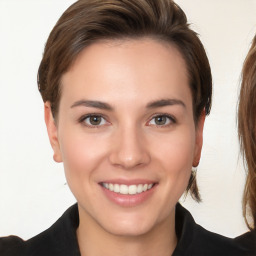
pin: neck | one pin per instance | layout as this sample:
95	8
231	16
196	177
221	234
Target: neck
93	240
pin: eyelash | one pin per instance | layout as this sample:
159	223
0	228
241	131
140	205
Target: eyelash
172	120
83	118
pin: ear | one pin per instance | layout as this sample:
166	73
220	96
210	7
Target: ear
52	132
199	139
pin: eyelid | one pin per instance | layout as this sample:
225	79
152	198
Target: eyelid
84	117
170	117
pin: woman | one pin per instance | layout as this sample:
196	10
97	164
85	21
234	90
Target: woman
126	86
247	136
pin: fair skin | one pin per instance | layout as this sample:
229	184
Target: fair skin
126	120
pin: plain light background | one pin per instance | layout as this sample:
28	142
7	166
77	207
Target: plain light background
33	190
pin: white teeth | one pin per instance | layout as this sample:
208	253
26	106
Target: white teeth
110	186
132	189
145	187
125	189
116	188
139	188
105	185
150	186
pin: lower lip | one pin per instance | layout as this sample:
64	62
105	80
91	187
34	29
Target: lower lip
129	200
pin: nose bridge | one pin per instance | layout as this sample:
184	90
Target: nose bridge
129	148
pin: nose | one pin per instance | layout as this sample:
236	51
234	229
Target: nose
129	149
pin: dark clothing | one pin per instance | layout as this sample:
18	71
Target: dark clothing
193	240
248	240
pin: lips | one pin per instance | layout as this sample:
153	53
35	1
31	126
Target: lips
124	189
128	193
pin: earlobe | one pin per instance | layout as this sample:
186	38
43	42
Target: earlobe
52	132
199	139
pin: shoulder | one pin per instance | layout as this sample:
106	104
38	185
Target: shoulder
11	246
216	244
58	240
249	236
195	240
248	240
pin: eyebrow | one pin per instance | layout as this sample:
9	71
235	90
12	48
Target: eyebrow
106	106
165	102
92	104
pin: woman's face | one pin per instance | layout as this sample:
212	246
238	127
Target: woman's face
126	134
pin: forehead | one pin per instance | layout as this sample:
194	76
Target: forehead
128	68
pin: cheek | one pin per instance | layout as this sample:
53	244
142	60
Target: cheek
177	149
176	157
81	154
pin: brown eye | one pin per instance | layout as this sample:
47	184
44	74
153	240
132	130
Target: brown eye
94	120
162	120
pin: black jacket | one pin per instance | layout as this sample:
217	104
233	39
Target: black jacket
60	239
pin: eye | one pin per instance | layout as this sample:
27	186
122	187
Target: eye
162	120
93	120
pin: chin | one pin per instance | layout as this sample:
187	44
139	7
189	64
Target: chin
129	230
130	226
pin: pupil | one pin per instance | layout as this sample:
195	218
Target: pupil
160	120
95	120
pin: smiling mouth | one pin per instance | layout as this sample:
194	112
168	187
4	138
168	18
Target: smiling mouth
127	189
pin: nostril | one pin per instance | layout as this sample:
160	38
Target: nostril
128	160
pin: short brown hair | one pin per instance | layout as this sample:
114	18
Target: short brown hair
88	21
247	132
